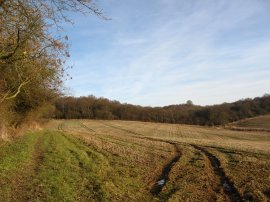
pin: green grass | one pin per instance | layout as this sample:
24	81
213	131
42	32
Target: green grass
69	172
13	156
60	169
54	166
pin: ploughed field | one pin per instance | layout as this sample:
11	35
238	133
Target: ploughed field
92	160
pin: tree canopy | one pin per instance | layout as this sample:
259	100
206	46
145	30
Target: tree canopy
32	59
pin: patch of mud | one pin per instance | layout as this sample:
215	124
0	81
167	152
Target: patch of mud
227	184
162	180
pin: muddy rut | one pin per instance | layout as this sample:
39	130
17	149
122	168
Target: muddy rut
164	176
226	184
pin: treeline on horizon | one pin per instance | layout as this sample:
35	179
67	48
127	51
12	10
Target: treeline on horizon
91	107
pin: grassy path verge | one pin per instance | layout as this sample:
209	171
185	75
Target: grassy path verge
13	157
55	166
50	166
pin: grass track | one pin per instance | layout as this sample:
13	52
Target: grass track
50	166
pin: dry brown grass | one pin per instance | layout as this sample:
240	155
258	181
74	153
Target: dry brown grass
259	122
255	141
145	147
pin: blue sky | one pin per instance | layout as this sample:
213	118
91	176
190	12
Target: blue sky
161	52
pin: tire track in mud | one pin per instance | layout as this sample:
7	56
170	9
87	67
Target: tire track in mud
164	176
226	183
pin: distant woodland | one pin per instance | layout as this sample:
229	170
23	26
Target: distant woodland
101	108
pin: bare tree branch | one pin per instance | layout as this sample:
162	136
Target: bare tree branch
94	9
4	57
15	94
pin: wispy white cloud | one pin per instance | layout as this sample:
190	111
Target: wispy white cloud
207	51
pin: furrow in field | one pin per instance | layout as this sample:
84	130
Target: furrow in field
123	129
120	140
107	138
125	141
87	127
227	185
